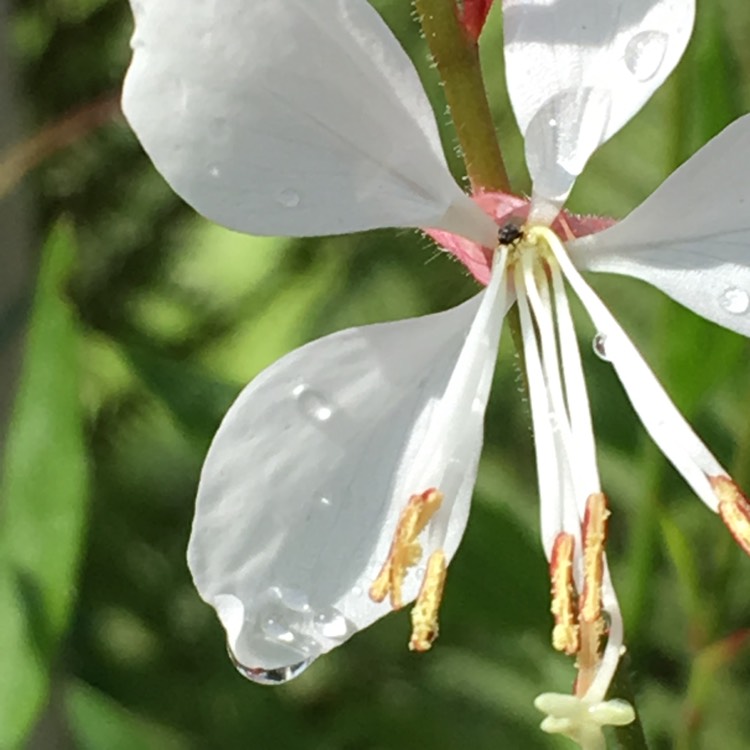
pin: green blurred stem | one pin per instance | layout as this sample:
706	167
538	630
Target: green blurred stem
457	58
632	736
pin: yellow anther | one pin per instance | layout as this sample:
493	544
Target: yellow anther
405	550
565	634
424	615
734	509
590	620
594	533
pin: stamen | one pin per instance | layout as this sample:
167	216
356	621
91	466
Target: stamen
565	634
734	509
424	615
405	550
590	618
594	537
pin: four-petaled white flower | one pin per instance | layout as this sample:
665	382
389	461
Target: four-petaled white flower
353	459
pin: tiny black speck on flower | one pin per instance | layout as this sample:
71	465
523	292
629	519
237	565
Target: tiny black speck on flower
509	233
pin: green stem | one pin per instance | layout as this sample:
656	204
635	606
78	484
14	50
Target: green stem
457	58
632	736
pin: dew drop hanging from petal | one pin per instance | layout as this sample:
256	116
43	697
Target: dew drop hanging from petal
275	676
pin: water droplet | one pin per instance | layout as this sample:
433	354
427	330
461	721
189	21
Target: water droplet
313	404
599	345
357	590
277	630
214	171
332	624
288	198
735	300
645	53
326	502
293	599
562	134
273	676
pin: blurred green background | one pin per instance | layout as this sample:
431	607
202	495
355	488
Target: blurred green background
127	326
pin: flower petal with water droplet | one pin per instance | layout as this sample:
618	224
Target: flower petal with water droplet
364	418
691	237
254	113
577	71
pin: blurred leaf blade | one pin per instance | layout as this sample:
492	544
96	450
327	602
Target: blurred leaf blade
44	497
96	721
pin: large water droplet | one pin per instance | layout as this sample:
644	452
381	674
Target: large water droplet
562	135
735	300
599	345
288	198
645	53
273	676
313	404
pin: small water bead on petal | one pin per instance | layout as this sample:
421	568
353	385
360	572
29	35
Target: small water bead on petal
735	300
312	403
645	53
293	599
288	198
332	624
214	171
277	630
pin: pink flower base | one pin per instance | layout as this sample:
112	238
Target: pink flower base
503	207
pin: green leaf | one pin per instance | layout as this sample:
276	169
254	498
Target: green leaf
97	722
44	498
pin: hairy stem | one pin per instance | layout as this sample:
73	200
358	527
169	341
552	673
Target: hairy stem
456	55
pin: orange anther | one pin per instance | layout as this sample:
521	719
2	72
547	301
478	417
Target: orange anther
734	509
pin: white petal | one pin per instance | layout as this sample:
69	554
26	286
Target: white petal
659	416
691	237
290	117
578	70
312	465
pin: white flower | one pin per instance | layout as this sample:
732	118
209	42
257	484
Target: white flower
353	459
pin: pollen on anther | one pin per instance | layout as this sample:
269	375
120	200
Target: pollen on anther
565	634
405	550
594	534
734	509
424	615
